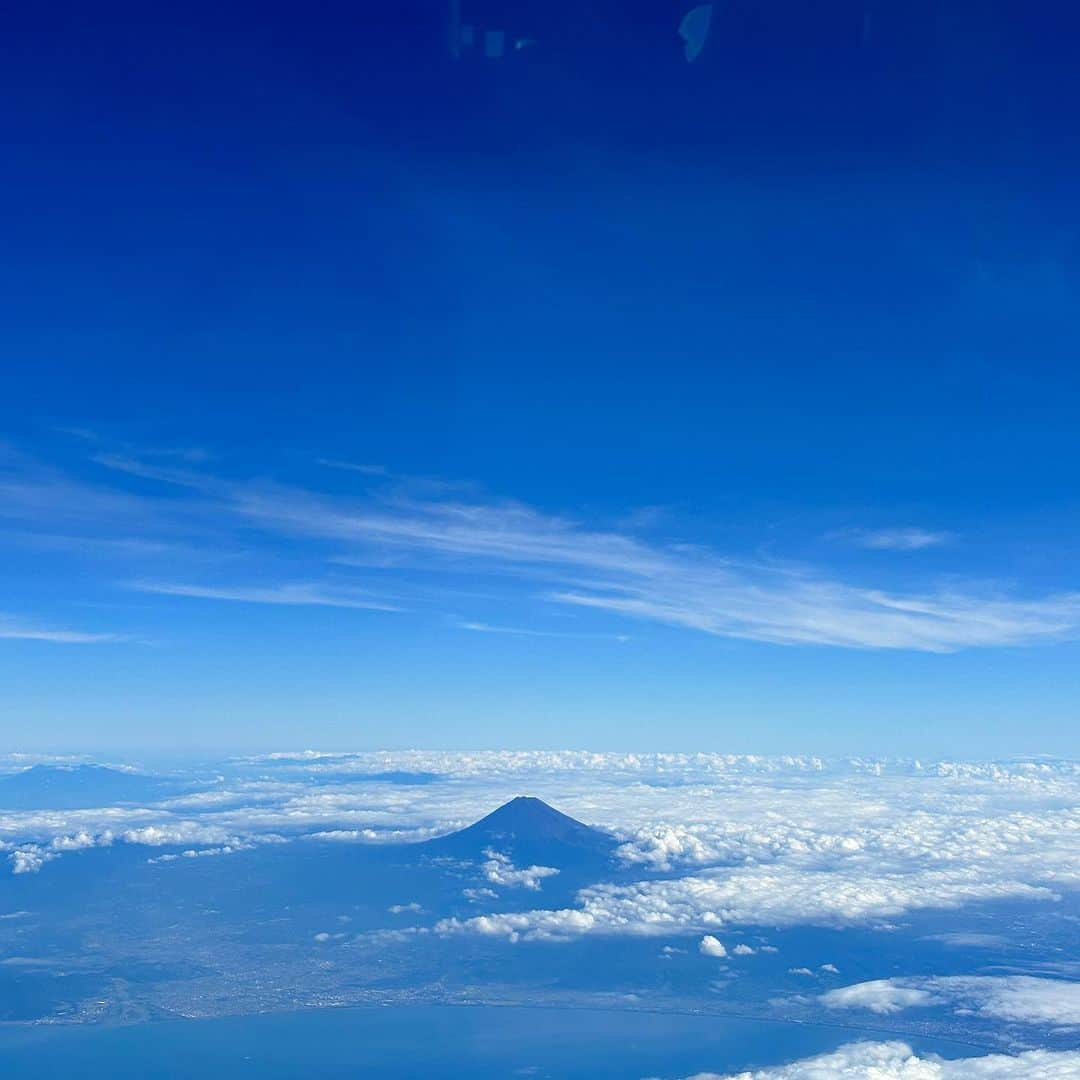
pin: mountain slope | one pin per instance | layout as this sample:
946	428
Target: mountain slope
529	832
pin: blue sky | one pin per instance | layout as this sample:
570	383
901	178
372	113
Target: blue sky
348	400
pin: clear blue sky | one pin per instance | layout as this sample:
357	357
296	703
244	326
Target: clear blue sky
354	398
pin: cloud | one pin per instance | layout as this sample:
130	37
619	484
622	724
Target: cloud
561	925
350	466
179	832
817	612
760	841
766	842
203	853
673	584
14	629
710	946
881	996
687	588
824	853
168	474
897	1061
82	433
299	594
905	539
499	870
748	841
487	628
29	860
781	894
1016	998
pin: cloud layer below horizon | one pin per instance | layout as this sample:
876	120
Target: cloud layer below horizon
724	861
717	840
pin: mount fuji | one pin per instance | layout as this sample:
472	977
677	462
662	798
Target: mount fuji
529	831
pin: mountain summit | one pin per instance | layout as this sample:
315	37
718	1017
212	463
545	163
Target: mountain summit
530	832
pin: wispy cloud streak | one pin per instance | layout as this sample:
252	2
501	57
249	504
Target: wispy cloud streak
606	571
13	629
518	631
904	539
291	595
351	466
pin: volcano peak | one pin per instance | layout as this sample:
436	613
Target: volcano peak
529	830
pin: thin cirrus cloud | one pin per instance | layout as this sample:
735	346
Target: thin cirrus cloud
675	585
352	466
518	631
903	539
691	589
289	595
17	630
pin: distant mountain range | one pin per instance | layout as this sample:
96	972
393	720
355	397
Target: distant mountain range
77	787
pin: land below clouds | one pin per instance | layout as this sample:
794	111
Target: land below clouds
318	881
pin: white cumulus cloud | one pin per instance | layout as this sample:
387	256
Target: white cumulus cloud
1016	998
711	946
499	870
897	1061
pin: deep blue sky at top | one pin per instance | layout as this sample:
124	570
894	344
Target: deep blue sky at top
815	289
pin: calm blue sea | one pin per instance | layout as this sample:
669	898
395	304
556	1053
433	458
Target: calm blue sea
421	1041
